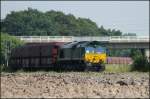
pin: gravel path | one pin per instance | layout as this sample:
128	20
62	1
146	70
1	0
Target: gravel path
74	85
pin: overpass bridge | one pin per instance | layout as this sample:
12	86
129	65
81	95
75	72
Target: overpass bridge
112	42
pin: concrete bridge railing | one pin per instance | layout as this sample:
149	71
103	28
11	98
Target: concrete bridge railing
84	38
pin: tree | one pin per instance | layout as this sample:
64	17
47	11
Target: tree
7	44
103	32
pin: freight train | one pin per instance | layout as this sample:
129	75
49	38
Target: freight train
77	55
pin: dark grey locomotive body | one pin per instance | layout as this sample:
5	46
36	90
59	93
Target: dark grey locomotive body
72	55
73	51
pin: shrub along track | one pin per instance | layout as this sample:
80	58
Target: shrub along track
75	84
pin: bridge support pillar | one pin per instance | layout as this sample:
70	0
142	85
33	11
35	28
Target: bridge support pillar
147	54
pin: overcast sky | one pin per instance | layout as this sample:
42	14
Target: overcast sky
127	16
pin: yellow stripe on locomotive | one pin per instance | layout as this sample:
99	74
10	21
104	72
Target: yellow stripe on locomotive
95	57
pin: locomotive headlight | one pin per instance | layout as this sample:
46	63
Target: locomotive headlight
98	52
87	51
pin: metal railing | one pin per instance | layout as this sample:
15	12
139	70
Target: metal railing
129	39
84	38
45	38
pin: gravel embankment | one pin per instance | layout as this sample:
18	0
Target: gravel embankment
75	85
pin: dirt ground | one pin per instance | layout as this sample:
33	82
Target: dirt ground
74	85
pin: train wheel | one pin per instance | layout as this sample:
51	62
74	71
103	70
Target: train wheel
87	67
13	68
95	68
102	67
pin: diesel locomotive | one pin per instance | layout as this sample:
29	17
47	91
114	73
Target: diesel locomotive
77	55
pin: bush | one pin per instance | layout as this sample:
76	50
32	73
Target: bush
140	64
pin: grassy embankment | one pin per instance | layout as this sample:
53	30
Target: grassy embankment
118	68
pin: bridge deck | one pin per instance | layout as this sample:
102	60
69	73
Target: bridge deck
84	38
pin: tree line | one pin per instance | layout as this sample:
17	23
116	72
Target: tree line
52	23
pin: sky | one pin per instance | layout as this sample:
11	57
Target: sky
126	16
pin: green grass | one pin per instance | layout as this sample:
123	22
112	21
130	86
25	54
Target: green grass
117	68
